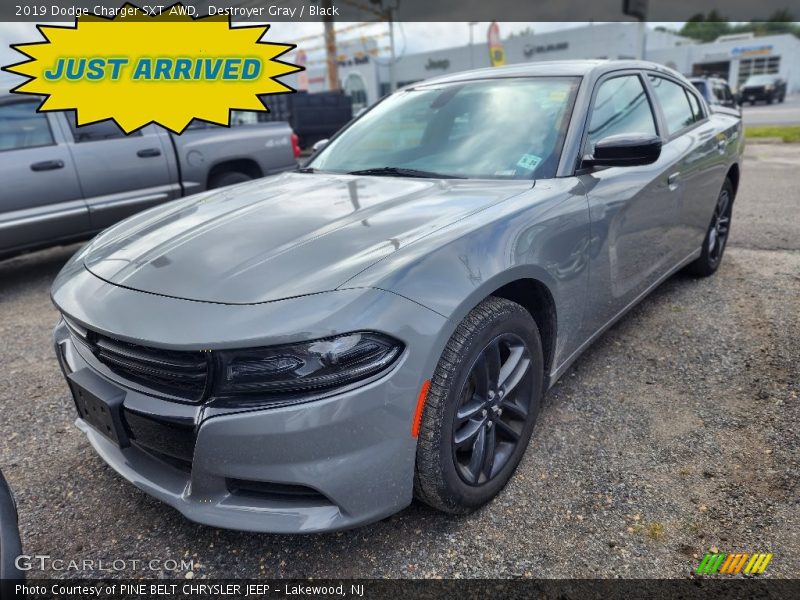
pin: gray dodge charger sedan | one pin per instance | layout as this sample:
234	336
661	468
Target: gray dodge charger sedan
311	351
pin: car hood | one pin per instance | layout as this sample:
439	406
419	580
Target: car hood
282	236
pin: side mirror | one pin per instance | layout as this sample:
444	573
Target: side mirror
319	145
625	150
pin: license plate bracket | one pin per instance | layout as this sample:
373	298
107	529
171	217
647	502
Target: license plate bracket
99	403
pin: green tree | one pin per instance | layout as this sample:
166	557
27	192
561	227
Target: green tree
707	28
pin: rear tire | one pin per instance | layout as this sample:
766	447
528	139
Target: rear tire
481	408
229	178
716	236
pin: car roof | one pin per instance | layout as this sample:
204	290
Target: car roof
574	68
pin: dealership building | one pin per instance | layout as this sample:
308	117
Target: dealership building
365	76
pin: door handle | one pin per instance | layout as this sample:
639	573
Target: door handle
47	165
672	180
148	153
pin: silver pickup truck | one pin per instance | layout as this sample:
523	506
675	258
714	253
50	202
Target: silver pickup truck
61	183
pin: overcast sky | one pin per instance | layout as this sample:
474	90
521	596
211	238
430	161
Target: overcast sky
409	37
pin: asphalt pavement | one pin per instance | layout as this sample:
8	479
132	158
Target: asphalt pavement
675	434
784	113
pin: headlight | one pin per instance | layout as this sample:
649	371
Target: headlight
284	372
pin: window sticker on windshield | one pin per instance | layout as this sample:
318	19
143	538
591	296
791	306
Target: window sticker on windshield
505	173
529	161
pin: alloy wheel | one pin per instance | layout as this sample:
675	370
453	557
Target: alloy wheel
493	408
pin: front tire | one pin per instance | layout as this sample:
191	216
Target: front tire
716	236
481	408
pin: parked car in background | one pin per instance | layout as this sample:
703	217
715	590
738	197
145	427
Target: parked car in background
716	92
763	88
310	351
63	183
10	546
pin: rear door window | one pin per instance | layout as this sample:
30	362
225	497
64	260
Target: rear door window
22	127
674	102
697	108
94	132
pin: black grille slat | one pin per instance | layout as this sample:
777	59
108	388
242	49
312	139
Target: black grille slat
145	369
183	374
169	362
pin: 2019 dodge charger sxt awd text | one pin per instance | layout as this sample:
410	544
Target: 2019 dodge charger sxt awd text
310	351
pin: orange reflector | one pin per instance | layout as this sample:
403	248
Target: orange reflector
423	393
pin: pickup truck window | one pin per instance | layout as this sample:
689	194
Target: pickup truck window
674	102
22	127
703	89
238	118
621	106
724	94
103	130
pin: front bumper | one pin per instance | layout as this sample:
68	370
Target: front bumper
756	94
352	450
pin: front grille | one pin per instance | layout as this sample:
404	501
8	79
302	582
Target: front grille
168	440
183	374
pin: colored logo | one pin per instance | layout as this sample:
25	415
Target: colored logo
734	563
137	69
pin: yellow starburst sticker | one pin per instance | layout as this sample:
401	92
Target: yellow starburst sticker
167	69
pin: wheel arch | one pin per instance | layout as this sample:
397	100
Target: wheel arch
528	286
240	165
733	174
535	297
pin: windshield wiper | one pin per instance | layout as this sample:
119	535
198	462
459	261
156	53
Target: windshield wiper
403	172
304	170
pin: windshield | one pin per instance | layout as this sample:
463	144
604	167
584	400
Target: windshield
496	128
760	80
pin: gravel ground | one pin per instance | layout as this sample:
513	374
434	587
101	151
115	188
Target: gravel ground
674	434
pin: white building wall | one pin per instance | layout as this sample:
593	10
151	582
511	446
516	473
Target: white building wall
784	47
607	40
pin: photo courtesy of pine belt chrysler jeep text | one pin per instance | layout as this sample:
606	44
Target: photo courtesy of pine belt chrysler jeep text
310	351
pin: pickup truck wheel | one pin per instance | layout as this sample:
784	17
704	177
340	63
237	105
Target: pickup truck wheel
229	178
481	408
716	236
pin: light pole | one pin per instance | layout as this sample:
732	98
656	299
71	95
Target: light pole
471	49
392	58
330	48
